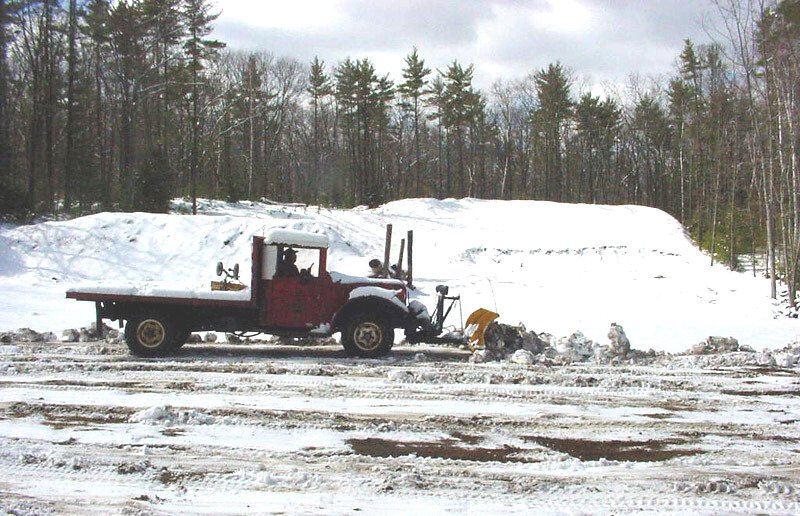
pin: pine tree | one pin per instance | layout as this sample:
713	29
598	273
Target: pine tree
12	197
698	163
198	50
166	28
462	104
413	89
597	125
680	95
651	136
437	101
555	109
319	88
126	31
95	29
364	99
71	125
5	126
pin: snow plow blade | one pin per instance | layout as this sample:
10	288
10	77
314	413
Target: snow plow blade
476	325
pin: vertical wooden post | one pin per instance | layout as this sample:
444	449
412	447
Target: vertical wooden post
410	257
398	272
386	250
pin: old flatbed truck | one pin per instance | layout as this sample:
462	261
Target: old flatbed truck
365	310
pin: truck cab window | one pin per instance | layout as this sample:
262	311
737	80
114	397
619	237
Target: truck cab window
308	259
297	262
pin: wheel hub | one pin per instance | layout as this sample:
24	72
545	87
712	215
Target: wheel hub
368	336
150	333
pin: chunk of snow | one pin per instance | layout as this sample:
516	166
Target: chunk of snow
345	279
400	376
167	415
322	329
164	290
620	345
296	238
383	293
523	356
575	348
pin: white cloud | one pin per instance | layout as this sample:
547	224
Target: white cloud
563	16
294	15
605	39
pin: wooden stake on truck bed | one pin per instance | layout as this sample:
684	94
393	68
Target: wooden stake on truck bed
399	271
386	250
410	257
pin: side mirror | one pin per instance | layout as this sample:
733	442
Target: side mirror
219	269
235	271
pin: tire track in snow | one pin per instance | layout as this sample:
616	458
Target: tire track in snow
365	399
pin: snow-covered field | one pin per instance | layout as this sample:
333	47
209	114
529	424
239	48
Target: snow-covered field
556	268
266	428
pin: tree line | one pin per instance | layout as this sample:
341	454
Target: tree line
125	105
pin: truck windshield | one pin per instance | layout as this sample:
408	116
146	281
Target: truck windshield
308	258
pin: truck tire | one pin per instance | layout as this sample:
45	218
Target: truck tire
367	336
151	335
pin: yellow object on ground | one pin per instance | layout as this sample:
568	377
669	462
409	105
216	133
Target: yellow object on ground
476	326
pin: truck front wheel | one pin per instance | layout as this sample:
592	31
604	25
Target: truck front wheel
151	335
367	336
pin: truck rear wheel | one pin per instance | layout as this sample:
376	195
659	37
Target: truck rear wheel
367	336
152	335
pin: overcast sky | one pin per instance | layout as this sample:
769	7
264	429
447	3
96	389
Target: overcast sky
603	41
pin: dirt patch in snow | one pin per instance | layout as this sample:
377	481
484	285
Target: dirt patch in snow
765	392
443	449
627	451
63	416
167	476
90	383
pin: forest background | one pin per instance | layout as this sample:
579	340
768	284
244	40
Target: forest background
126	105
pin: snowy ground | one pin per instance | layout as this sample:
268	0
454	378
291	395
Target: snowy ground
556	268
87	429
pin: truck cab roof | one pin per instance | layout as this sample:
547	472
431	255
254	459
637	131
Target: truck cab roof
294	238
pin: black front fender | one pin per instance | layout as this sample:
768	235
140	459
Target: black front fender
392	313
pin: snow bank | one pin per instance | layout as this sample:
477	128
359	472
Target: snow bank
559	268
166	415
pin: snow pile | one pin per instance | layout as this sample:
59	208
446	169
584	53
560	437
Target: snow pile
789	356
552	265
516	344
714	345
90	334
293	479
620	345
400	376
168	416
27	335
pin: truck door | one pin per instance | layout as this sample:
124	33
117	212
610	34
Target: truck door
295	302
